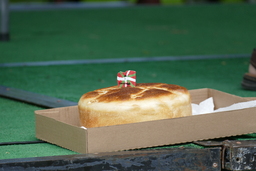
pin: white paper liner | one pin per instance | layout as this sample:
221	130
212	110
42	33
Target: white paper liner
207	106
83	127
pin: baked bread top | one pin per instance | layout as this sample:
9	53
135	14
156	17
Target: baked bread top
142	91
146	101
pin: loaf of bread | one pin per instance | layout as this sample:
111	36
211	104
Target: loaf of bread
145	102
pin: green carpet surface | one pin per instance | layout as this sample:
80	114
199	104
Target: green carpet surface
71	81
32	150
130	32
118	33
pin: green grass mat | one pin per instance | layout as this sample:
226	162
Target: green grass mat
17	121
130	32
71	81
32	150
118	33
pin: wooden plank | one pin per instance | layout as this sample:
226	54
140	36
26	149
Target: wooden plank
34	98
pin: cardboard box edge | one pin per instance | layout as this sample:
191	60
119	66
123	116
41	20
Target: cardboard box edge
42	121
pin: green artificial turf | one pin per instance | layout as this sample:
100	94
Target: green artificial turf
71	81
17	121
130	32
118	33
32	150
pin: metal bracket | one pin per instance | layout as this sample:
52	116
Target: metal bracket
239	155
236	154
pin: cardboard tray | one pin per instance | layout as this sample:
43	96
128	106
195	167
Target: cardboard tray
61	126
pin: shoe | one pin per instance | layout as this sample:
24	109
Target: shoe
253	58
249	79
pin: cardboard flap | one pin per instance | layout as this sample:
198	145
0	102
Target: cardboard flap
250	98
59	133
62	114
199	95
220	99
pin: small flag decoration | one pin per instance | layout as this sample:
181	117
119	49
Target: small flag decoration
126	79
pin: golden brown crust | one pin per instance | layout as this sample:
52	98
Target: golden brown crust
140	92
145	102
